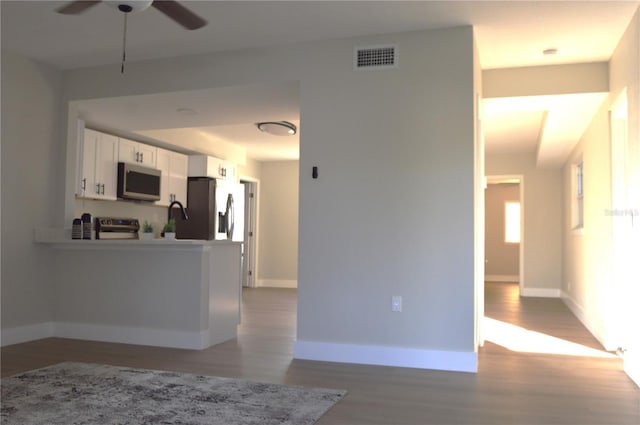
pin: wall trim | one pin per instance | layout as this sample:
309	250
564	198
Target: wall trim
459	361
196	340
19	334
277	283
540	292
582	316
632	369
502	278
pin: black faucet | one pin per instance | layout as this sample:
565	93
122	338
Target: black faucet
182	210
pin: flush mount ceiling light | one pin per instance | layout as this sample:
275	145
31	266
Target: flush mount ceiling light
277	128
550	52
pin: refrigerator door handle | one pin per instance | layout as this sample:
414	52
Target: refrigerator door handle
229	213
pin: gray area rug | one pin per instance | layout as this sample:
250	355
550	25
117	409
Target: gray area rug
82	393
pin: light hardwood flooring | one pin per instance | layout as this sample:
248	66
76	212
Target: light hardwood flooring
509	388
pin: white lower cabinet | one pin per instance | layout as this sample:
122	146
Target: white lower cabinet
99	175
173	184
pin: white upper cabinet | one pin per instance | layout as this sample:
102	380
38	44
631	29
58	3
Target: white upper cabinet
173	184
208	166
99	175
136	153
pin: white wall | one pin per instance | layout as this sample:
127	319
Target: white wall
379	221
606	306
543	212
32	161
252	169
278	224
546	80
587	255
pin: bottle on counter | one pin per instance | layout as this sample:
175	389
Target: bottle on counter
87	226
76	229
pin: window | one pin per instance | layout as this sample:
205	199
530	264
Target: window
512	222
578	196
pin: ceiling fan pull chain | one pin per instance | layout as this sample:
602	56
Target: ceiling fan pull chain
124	43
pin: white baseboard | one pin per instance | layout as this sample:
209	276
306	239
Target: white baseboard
502	278
632	369
26	333
387	356
582	316
575	308
195	340
540	292
276	283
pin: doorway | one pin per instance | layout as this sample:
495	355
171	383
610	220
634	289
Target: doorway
504	229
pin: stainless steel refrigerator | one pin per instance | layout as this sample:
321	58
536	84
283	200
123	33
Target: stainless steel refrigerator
215	208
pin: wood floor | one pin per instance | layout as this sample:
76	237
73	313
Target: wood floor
509	388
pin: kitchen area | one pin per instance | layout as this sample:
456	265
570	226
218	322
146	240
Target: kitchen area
154	254
155	248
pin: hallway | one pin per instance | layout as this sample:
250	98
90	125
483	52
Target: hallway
562	374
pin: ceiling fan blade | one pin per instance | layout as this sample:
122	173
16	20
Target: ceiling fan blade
76	7
180	14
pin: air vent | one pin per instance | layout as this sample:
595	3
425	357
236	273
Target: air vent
376	57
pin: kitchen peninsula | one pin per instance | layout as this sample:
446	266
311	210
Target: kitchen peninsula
169	293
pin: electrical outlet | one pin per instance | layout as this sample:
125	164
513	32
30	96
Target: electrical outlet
396	303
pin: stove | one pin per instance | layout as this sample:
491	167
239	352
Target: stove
117	228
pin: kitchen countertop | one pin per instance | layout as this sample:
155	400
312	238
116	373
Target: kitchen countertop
58	238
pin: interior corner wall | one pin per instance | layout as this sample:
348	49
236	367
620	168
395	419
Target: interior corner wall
543	214
252	169
502	258
278	224
32	152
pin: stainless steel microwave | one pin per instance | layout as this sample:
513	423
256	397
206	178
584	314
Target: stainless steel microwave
136	182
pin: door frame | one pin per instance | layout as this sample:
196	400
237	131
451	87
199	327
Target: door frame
520	177
251	211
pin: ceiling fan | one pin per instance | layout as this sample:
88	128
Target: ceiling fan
171	8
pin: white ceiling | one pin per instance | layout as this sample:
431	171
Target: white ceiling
509	34
547	125
198	121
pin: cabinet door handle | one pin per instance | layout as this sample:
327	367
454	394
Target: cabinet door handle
103	189
83	185
98	188
137	156
142	157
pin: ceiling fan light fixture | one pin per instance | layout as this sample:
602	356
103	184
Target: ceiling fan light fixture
278	128
129	6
